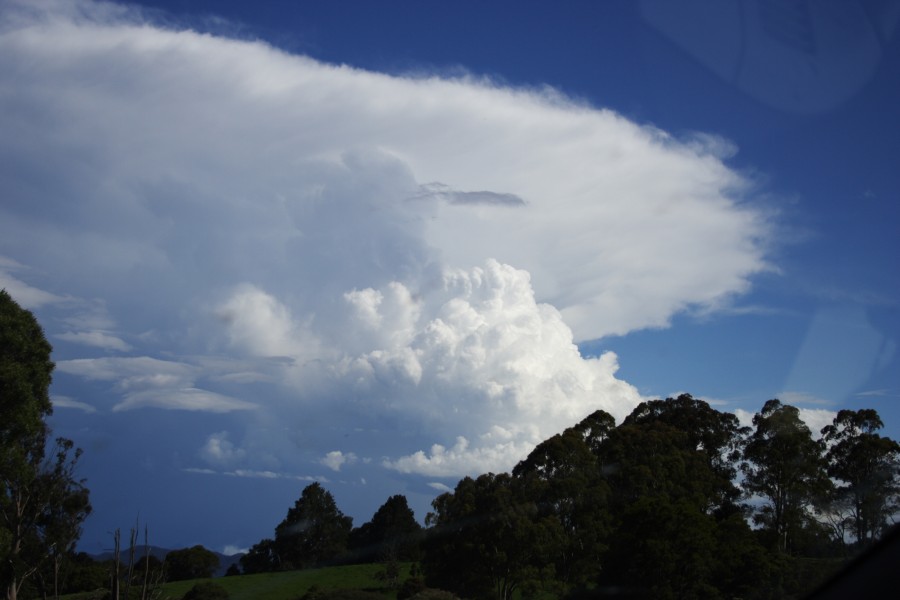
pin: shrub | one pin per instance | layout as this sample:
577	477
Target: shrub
410	588
206	590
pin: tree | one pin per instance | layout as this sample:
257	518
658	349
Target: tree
261	558
564	478
42	505
663	532
392	534
314	532
785	466
672	504
59	527
488	540
868	465
717	435
191	563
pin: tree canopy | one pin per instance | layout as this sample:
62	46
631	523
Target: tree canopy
314	531
195	562
867	467
392	534
42	505
652	507
785	466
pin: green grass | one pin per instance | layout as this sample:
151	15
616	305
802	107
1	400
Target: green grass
286	585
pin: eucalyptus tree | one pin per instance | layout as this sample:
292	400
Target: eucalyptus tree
42	504
717	435
867	466
314	531
487	539
393	534
785	468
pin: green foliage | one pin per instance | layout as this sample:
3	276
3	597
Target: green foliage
669	466
393	534
191	563
869	466
648	508
84	574
786	467
206	590
261	558
717	435
563	475
42	505
411	587
663	549
25	376
314	532
489	540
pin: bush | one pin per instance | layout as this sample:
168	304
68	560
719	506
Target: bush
410	588
206	590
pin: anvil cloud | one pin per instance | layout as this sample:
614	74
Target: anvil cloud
213	224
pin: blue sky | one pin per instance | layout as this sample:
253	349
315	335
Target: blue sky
383	246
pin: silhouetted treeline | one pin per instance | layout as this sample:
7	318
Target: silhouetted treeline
677	501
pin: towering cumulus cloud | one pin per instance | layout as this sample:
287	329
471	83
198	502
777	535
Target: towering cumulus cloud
250	229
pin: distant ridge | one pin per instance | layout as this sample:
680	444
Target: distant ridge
225	561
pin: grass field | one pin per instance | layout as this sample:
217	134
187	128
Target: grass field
287	585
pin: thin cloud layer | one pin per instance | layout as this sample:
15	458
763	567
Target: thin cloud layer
273	226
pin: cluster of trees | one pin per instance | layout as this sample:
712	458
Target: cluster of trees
677	501
315	532
662	505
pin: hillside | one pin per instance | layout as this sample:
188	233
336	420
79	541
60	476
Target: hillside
225	560
285	585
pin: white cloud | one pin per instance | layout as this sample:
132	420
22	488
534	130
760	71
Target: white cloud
199	471
130	372
67	402
336	459
27	296
146	382
441	487
97	339
261	324
421	249
182	399
219	450
460	459
481	357
814	418
232	549
794	398
252	474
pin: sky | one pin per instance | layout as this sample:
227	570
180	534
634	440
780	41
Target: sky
383	246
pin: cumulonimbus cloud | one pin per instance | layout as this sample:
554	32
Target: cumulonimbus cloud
226	200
